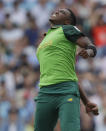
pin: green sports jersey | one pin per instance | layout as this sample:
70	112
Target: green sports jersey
56	55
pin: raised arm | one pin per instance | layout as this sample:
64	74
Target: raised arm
88	46
75	36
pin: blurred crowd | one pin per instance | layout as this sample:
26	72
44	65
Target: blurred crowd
22	24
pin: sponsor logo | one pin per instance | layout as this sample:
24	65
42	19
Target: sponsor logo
70	99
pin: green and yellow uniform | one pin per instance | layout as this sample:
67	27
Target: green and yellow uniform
59	94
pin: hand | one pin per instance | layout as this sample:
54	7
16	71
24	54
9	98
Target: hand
83	53
91	107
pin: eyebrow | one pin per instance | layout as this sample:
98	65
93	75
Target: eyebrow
63	11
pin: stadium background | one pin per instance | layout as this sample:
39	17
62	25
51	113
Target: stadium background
22	23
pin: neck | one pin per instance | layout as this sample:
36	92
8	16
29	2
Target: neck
53	23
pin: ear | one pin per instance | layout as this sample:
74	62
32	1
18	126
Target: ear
67	22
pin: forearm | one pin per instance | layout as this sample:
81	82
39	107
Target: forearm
85	43
83	96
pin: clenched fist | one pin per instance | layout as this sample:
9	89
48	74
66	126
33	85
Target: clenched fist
91	107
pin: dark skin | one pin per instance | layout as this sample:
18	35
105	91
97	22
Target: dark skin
62	17
90	107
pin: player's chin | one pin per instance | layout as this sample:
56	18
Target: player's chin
52	18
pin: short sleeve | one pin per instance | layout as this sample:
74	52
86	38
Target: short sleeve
72	33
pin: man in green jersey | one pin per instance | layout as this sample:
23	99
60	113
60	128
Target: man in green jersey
59	95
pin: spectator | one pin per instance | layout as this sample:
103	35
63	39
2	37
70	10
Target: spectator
32	32
2	12
41	9
18	16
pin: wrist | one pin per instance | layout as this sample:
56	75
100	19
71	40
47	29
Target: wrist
93	52
90	52
86	102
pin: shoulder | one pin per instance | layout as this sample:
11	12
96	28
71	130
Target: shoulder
71	32
70	28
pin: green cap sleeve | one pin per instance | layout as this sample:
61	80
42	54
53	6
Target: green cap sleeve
72	33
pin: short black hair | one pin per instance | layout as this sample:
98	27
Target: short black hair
72	17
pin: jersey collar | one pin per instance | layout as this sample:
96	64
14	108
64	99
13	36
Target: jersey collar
56	26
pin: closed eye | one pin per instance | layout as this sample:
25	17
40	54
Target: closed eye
63	12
